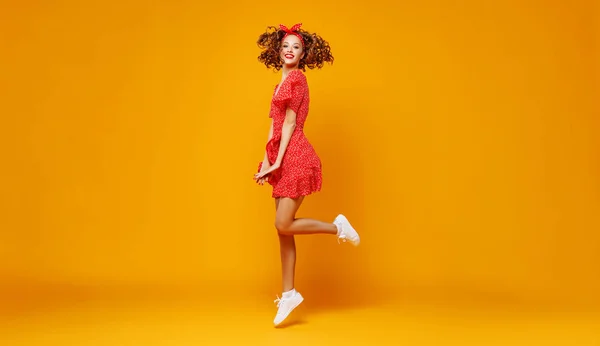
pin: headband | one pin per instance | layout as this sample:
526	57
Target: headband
292	31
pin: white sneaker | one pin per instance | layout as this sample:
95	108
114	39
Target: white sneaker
286	305
345	230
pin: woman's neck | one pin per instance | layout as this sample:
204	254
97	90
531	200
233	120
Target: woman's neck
286	70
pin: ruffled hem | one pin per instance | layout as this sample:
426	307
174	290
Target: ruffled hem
298	186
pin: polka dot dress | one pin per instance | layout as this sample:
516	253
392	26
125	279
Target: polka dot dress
300	171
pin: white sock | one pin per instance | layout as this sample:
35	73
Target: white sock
289	293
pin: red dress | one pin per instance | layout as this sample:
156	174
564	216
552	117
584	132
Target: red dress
300	171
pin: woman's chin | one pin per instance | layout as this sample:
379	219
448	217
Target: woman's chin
290	64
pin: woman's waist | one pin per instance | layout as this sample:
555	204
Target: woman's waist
279	124
298	138
297	135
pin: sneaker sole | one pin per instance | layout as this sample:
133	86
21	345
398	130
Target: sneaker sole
289	312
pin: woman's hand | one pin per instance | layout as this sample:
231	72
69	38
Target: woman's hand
265	165
261	176
262	180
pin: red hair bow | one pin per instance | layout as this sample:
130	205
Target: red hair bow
292	31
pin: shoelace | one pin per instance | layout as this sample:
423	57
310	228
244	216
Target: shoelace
278	300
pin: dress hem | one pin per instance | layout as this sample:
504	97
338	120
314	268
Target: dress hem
296	196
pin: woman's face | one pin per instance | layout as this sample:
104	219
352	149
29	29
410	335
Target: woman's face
291	50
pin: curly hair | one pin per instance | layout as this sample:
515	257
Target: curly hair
316	50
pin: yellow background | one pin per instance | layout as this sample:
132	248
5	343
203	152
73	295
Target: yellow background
461	139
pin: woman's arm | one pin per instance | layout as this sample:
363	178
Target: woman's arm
266	158
289	125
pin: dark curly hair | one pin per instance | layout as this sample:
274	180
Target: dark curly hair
316	50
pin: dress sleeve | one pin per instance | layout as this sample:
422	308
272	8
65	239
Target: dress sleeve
294	91
298	91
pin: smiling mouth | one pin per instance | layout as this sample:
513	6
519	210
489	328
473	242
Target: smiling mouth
289	56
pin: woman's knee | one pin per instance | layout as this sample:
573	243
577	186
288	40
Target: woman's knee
282	225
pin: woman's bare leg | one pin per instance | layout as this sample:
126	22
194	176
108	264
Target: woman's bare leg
287	224
287	249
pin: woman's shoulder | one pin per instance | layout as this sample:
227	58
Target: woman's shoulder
298	76
299	73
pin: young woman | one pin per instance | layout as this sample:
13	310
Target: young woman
291	165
